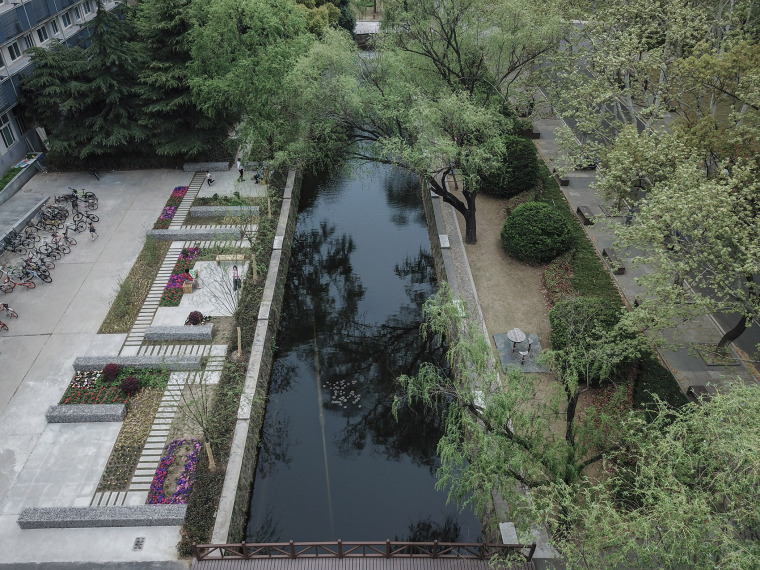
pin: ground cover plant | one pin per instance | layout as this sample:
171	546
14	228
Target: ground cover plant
92	387
131	440
170	208
217	200
134	289
172	294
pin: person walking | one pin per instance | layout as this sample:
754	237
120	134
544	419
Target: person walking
240	170
209	180
235	278
93	232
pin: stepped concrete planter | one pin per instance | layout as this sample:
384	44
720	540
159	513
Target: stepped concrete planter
26	173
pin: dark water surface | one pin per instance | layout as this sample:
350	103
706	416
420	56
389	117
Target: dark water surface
334	462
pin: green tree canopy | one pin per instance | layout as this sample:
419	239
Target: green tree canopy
682	491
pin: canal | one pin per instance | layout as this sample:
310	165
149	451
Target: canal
334	462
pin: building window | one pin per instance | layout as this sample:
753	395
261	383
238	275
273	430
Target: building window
66	19
20	121
13	51
86	6
6	130
28	41
54	26
42	34
77	13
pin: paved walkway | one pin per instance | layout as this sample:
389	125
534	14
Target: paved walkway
45	464
688	368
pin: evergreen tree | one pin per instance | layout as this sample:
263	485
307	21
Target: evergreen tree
176	125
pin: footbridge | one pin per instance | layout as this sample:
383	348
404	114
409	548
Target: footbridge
387	555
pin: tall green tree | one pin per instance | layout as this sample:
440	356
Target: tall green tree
380	109
94	90
241	51
682	491
176	125
507	434
433	98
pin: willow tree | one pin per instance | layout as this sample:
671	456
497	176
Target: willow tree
681	492
510	434
380	109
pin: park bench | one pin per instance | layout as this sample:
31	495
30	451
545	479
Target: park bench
700	393
616	264
560	180
230	257
586	216
607	211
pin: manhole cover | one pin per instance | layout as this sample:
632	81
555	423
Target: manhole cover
139	542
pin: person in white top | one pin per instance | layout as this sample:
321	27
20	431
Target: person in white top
240	169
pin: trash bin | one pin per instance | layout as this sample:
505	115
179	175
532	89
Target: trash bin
187	287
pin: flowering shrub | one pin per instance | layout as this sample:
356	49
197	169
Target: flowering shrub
173	291
158	492
167	214
130	385
195	317
110	372
88	388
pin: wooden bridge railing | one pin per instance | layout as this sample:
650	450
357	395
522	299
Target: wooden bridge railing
340	549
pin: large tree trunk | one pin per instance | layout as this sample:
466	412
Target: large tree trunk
734	333
741	326
466	209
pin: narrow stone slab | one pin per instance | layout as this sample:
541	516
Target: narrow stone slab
213	211
75	413
98	517
188	332
195	234
181	362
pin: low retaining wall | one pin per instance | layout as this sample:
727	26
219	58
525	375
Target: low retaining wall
439	238
98	517
195	234
211	211
182	362
183	332
238	481
25	218
76	413
206	166
20	179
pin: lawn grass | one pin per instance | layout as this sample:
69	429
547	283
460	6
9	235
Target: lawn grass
8	176
135	288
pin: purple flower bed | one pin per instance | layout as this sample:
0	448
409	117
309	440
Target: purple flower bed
167	214
157	494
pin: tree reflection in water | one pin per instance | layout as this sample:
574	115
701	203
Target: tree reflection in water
325	342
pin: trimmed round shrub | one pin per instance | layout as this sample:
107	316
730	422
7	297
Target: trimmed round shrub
110	372
130	385
518	173
195	318
534	232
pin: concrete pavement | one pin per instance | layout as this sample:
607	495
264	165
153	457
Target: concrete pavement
688	368
59	464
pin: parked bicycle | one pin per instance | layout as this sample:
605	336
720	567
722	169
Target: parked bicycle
35	271
9	284
63	238
84	217
8	311
3	326
46	262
